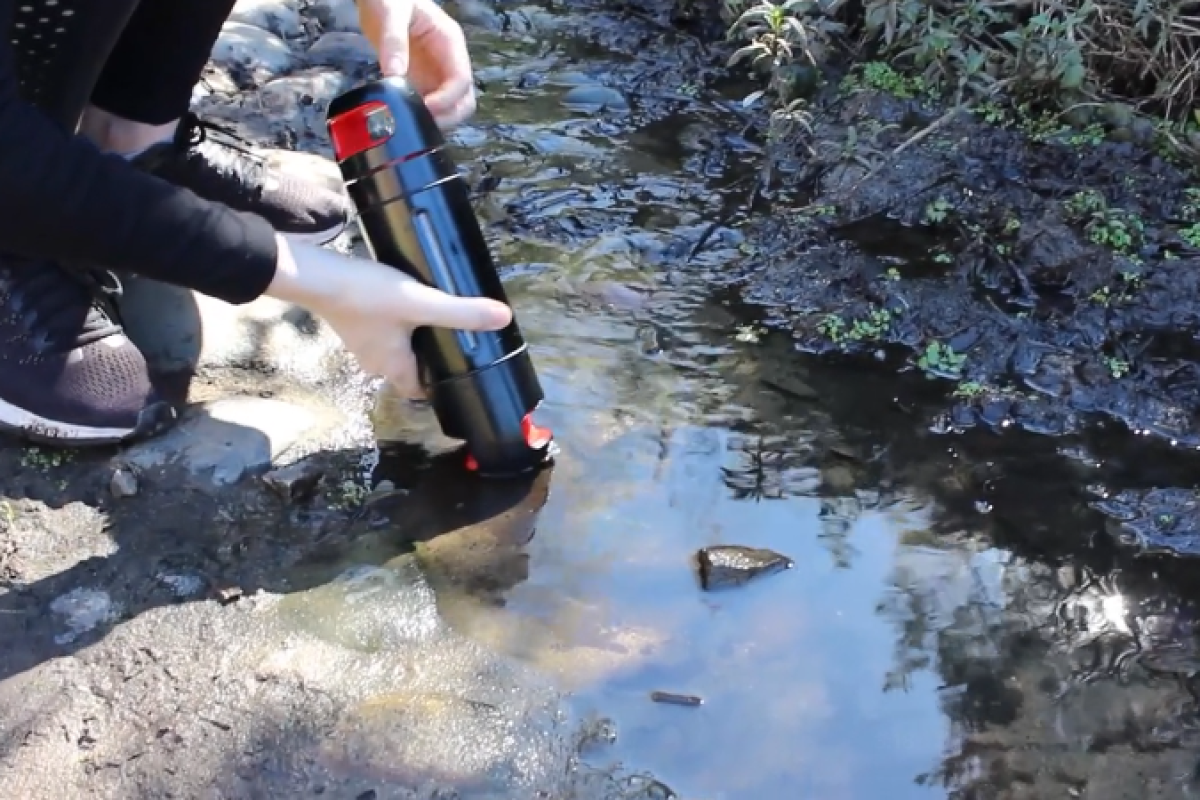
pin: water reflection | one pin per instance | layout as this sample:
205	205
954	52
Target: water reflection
958	623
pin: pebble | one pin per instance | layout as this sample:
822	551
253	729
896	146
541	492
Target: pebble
726	565
250	47
124	483
296	481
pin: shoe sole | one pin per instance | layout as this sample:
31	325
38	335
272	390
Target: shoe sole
319	237
30	427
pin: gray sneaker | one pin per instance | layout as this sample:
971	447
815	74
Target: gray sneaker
68	374
216	165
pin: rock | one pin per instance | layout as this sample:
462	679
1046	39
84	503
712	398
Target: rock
124	483
336	15
724	566
296	481
277	16
594	99
287	97
229	438
248	47
342	49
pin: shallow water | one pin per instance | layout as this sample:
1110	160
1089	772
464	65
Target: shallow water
955	624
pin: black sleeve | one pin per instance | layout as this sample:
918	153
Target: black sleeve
62	199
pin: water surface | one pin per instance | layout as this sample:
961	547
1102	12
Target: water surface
956	623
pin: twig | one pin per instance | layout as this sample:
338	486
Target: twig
916	138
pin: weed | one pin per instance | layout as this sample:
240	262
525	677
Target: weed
1050	54
869	328
937	211
941	359
1117	367
968	389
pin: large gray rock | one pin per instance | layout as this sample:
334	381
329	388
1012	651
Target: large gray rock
233	437
277	16
252	48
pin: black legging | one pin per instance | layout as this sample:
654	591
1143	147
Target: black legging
138	60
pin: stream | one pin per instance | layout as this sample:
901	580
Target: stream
963	616
957	622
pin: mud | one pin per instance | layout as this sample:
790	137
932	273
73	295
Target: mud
1043	278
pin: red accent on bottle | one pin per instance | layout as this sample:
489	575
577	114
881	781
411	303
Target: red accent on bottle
351	134
535	437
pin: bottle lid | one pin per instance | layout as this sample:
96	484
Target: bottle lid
384	111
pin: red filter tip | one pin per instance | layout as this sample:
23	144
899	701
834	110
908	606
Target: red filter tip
535	437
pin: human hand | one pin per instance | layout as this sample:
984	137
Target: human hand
418	41
374	308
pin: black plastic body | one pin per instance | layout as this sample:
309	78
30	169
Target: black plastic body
415	215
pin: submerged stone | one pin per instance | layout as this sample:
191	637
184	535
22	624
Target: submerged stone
723	566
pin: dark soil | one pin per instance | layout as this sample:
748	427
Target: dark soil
982	239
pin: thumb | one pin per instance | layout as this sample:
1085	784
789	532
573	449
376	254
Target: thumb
437	309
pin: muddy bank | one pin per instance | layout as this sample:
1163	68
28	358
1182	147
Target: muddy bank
1043	278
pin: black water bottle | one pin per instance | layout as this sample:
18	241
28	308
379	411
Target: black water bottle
415	214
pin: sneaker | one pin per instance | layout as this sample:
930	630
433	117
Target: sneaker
68	374
227	170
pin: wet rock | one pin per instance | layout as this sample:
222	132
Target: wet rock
342	49
594	99
296	481
251	48
229	438
277	16
723	566
290	96
123	483
336	15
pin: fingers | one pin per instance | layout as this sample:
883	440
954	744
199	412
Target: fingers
428	306
453	100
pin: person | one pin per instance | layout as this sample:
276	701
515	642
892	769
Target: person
103	171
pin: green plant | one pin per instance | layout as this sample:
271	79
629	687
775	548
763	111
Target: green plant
941	359
937	211
968	389
872	326
1052	54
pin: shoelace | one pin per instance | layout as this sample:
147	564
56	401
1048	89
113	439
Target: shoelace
63	308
